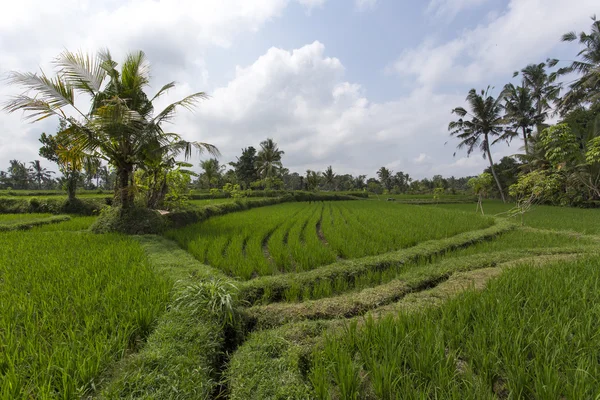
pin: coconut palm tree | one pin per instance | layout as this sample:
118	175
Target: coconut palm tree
121	121
477	127
329	177
212	171
313	179
39	173
268	160
544	91
520	113
585	89
385	177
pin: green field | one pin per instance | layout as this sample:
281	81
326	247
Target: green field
10	219
71	304
301	236
358	299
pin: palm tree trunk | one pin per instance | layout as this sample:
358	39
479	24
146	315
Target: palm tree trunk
123	190
489	155
525	140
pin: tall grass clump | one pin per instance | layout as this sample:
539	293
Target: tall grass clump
70	305
533	333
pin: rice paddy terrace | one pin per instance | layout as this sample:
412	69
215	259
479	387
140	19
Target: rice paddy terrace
328	300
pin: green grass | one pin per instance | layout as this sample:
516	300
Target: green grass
70	305
533	333
300	237
10	219
582	220
76	223
207	202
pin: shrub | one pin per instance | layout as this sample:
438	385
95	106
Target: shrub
134	221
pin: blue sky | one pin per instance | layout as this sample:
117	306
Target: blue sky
356	84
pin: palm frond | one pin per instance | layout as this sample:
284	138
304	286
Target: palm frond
188	102
82	71
163	90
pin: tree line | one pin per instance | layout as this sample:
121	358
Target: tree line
560	163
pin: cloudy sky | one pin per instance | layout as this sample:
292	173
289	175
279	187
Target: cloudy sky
356	84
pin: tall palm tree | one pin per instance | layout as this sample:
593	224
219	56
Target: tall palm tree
385	177
586	88
39	173
268	160
212	170
475	128
121	121
312	179
329	177
544	90
520	113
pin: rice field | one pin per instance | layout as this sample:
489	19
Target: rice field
533	333
297	237
10	219
71	305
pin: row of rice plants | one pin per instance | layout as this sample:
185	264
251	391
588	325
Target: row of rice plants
357	229
533	333
70	305
235	243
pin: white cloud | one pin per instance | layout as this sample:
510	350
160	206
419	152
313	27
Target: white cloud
448	9
421	158
497	48
363	5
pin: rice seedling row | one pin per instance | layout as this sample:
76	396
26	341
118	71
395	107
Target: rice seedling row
299	237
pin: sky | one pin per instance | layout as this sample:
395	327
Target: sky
355	84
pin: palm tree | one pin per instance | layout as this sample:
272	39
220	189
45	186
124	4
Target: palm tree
19	175
329	177
212	170
520	113
385	177
543	90
268	160
120	122
359	181
312	179
587	87
484	122
39	173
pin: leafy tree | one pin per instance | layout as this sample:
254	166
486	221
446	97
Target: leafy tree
483	124
60	149
520	113
401	181
213	172
507	170
481	186
359	182
38	173
245	167
329	178
121	121
268	161
374	186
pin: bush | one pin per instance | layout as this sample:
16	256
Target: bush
23	205
133	221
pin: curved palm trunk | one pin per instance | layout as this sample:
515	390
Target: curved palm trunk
489	155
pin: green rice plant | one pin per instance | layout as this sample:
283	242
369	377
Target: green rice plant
301	237
76	223
530	334
71	304
216	297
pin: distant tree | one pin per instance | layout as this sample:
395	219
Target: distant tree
374	186
507	170
212	172
483	124
245	167
329	178
38	173
313	179
401	181
359	182
385	178
18	174
268	161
